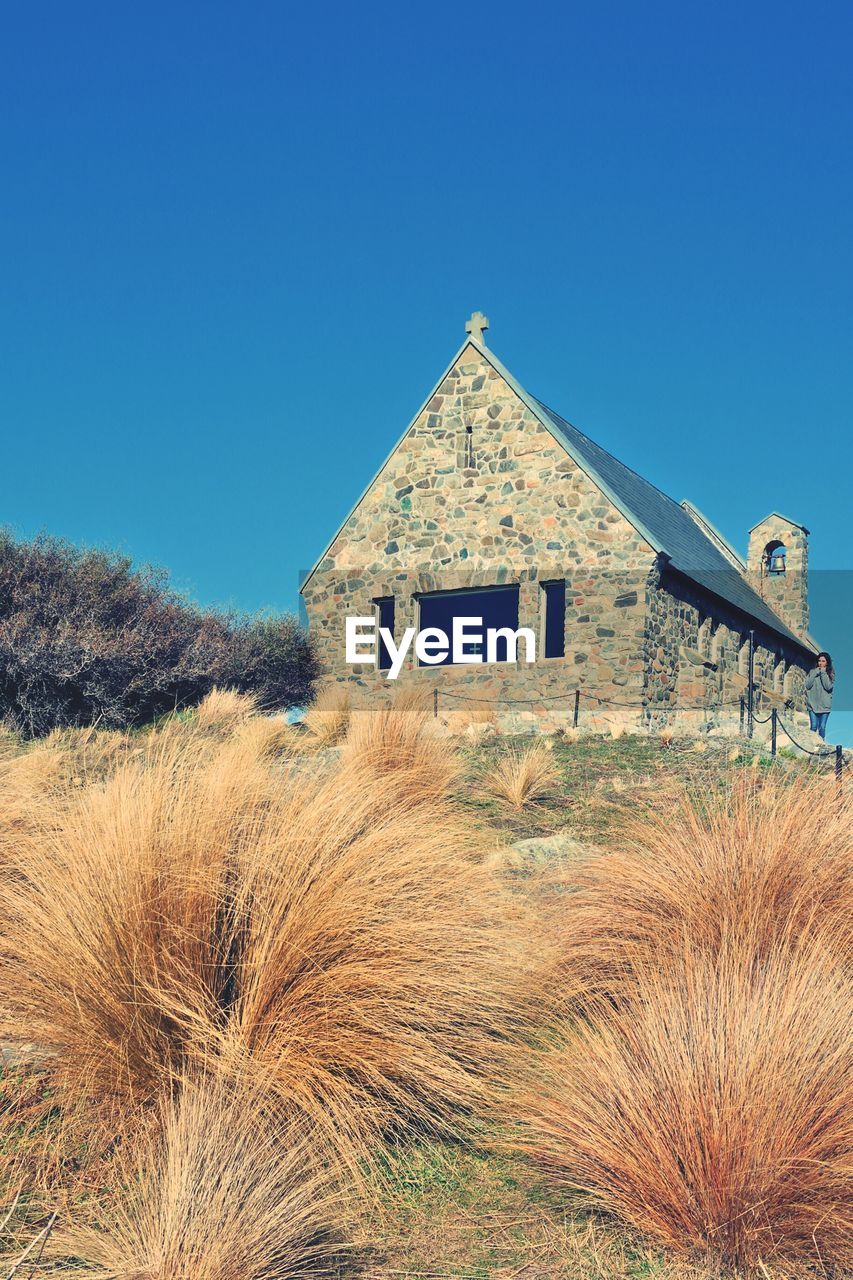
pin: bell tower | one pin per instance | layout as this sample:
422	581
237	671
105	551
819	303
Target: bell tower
778	568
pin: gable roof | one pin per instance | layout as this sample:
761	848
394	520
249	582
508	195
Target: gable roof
666	526
794	523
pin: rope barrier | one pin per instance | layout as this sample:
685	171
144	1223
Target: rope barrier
592	697
774	719
799	745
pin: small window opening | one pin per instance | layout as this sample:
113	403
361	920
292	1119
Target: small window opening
555	619
773	560
469	446
384	618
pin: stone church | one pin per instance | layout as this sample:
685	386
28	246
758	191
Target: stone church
492	505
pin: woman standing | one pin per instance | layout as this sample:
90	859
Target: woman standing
819	685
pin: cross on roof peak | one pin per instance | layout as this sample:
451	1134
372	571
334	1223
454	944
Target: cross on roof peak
476	326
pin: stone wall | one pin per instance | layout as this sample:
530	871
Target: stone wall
697	657
480	493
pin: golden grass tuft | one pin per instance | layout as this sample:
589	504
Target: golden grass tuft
705	1096
268	737
475	719
209	906
523	775
221	1187
223	710
37	780
483	712
752	861
413	697
714	1111
398	748
328	716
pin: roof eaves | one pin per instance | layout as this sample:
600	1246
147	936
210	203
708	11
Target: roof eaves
787	520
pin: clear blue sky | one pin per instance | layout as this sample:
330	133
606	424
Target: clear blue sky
239	244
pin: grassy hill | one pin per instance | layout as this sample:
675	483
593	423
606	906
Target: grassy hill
362	999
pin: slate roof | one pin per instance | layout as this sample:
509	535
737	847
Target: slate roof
669	527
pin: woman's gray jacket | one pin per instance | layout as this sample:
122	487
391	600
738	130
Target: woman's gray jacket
819	685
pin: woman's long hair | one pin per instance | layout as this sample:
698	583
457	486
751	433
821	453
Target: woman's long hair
830	670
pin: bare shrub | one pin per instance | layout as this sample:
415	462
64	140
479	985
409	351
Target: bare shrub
85	638
523	774
714	1110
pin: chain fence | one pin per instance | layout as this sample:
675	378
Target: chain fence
748	718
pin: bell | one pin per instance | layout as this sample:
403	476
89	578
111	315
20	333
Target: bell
777	562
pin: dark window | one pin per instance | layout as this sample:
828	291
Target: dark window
384	618
555	619
497	606
469	446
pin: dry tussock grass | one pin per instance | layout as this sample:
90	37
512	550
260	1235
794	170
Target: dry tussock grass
714	1111
397	747
412	697
475	719
752	862
223	710
201	907
37	781
523	775
706	1096
328	716
268	737
221	1187
482	712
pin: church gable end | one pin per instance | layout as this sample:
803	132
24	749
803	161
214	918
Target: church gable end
480	493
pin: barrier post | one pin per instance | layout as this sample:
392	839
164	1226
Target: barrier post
435	702
773	715
577	708
839	764
750	693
